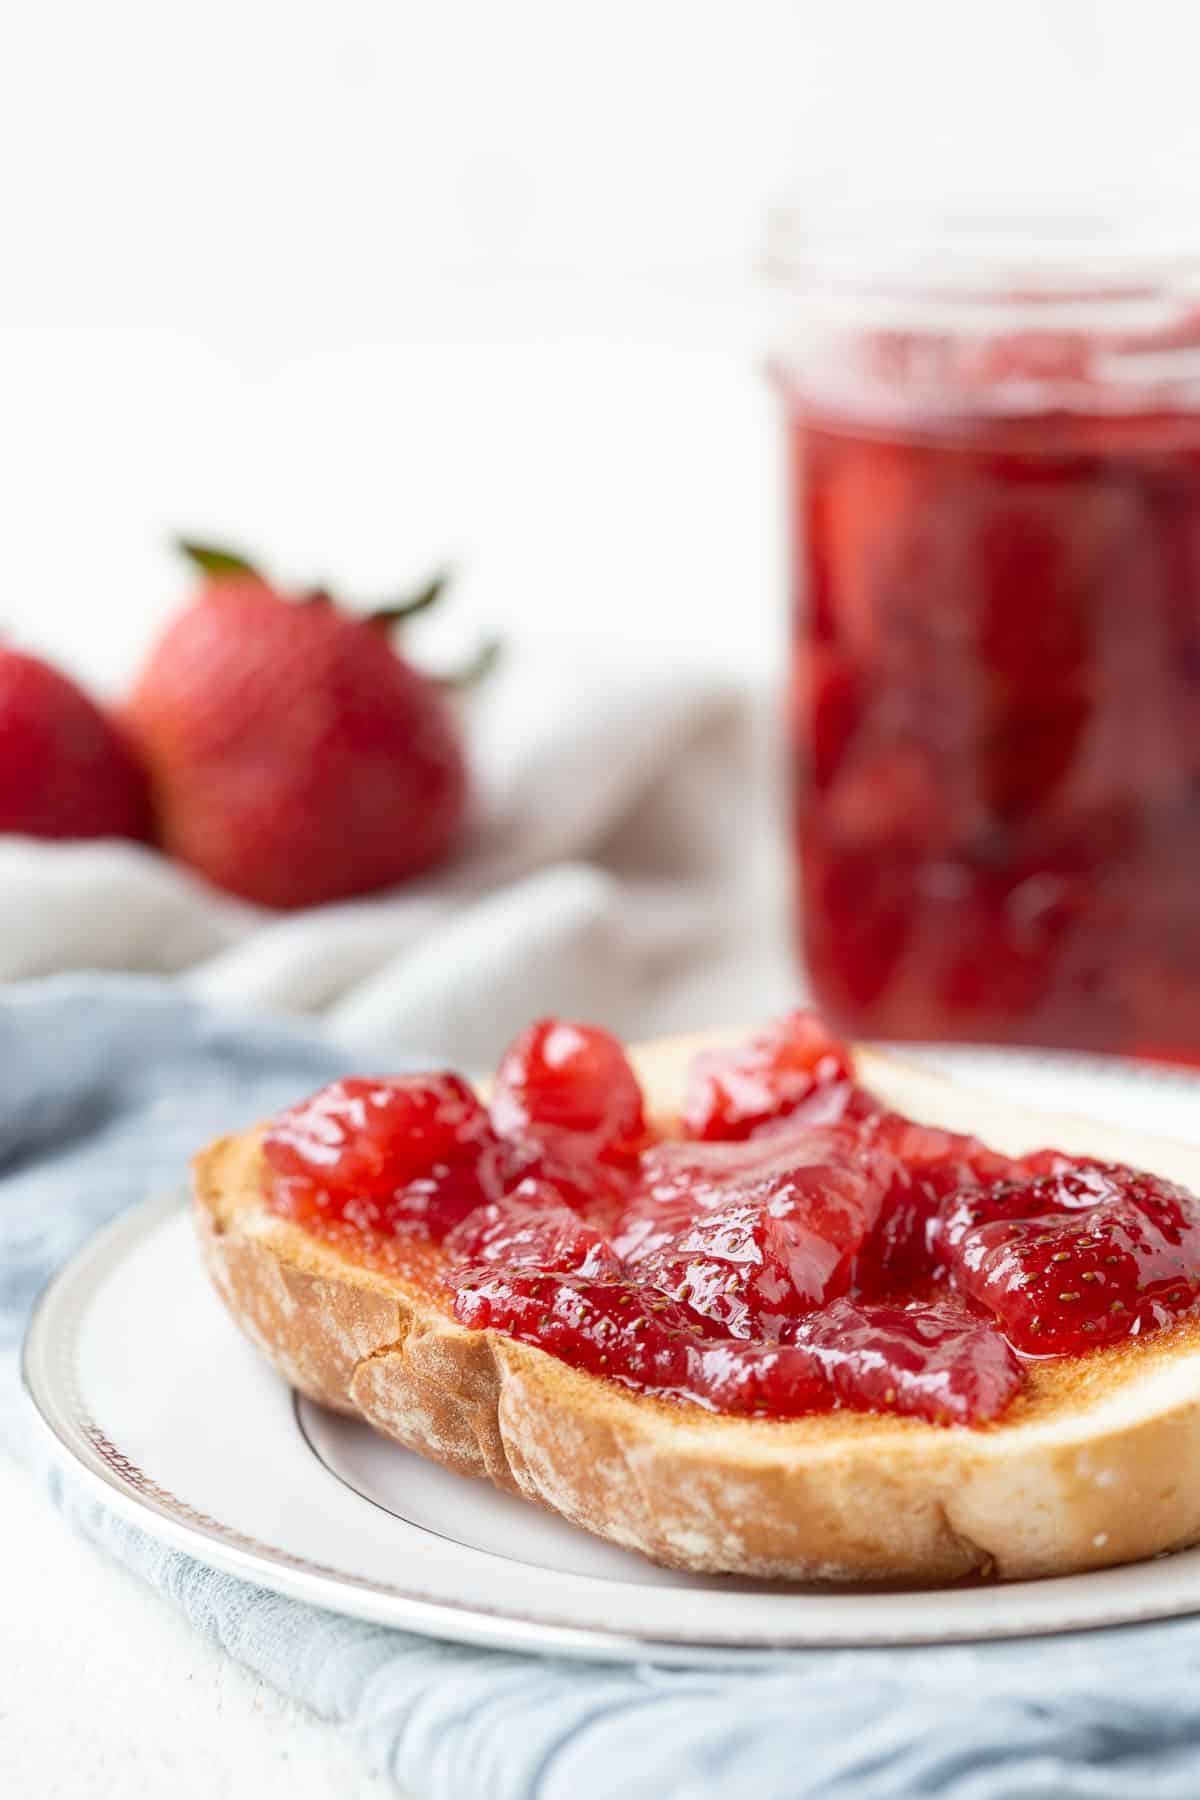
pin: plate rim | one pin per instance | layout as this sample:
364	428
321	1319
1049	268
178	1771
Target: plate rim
137	1498
223	1546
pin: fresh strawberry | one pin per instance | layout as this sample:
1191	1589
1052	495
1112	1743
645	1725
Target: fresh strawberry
65	769
295	757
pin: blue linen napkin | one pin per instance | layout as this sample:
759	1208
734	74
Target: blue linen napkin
106	1085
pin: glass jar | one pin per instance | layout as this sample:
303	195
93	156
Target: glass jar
995	718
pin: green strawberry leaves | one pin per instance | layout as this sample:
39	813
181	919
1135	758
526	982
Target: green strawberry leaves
213	560
399	610
476	669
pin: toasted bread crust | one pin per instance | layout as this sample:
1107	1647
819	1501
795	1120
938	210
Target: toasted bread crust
1097	1461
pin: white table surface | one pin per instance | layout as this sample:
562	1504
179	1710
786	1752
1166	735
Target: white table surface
107	1691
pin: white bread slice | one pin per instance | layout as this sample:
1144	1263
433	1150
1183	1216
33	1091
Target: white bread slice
1096	1462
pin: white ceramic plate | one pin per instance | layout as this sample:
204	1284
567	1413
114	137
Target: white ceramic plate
149	1391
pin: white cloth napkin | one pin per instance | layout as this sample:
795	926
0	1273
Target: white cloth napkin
618	868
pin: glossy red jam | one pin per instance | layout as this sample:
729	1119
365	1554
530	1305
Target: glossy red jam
795	1068
385	1154
841	1256
1086	1256
570	1088
996	721
754	1235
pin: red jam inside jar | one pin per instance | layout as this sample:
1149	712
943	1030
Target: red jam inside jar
995	707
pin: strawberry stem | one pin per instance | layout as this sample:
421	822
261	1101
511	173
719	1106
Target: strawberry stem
477	669
421	601
211	559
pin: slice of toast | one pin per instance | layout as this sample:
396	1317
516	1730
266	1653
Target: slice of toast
1097	1460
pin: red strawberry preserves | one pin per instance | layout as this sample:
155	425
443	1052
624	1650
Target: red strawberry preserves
571	1088
941	1362
1098	1253
793	1069
596	1190
995	720
618	1329
826	1177
748	1270
822	1253
606	1326
754	1235
932	1164
532	1228
407	1152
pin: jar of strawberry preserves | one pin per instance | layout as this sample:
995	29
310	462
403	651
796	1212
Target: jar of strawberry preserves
995	703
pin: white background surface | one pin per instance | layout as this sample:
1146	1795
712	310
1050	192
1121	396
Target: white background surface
374	285
108	1692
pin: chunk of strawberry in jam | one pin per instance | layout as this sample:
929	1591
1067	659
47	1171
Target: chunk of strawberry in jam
943	1158
619	1330
826	709
778	1381
532	1228
825	1179
941	1362
1098	1253
570	1087
794	1069
1023	1195
594	1189
933	1164
677	1184
749	1270
397	1153
608	1327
